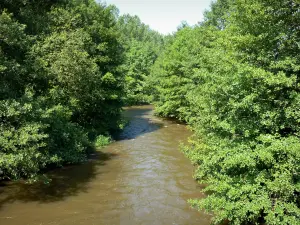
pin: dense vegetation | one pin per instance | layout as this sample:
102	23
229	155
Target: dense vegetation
64	67
68	66
235	79
142	47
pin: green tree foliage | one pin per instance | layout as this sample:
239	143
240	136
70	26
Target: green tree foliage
66	66
235	80
81	59
142	47
60	80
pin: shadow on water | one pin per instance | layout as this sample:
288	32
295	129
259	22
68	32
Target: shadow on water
74	180
140	122
66	182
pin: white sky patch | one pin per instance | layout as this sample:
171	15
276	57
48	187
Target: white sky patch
163	15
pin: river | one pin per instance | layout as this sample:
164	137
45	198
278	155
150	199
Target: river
140	179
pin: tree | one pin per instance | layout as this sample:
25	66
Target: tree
234	79
61	83
142	47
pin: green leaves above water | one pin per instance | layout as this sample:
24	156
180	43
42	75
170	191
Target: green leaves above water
234	79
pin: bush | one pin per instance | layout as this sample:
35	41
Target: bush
102	141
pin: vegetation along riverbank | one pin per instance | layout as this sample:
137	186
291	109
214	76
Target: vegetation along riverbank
67	67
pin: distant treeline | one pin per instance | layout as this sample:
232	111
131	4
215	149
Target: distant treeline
66	69
235	78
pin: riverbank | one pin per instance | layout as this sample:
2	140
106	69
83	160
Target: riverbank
142	178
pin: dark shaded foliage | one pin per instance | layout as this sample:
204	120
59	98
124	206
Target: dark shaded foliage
60	79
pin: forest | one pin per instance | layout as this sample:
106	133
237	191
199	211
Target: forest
67	67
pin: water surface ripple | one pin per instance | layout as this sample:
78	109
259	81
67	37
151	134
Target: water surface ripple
140	179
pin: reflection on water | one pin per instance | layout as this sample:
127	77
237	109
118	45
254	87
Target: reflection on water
140	179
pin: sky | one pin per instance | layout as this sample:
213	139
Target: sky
163	16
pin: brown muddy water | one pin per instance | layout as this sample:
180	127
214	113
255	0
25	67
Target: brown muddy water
141	179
